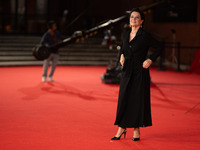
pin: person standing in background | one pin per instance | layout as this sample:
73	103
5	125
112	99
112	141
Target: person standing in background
50	38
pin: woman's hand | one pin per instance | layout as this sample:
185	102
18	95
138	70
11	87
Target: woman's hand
122	59
147	63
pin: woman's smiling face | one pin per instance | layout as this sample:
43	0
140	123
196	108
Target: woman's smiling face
135	19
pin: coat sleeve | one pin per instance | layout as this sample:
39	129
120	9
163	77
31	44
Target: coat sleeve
157	48
122	49
44	39
124	35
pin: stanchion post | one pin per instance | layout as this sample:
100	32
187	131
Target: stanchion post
179	55
162	57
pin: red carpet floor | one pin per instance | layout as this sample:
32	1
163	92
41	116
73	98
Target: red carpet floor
77	111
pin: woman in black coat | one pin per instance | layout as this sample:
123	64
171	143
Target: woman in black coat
134	110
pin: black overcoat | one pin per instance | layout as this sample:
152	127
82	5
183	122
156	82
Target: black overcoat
134	108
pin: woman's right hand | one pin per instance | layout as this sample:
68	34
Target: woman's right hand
122	59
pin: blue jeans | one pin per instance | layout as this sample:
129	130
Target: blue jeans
54	58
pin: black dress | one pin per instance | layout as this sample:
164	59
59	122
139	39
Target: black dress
134	108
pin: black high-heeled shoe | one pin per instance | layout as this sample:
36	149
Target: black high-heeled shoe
118	138
136	139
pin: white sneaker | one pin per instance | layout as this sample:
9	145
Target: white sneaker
51	79
43	79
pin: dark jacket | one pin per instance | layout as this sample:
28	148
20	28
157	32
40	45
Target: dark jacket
48	40
134	108
139	46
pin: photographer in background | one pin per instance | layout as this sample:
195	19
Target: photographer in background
50	38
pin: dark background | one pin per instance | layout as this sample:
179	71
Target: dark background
176	11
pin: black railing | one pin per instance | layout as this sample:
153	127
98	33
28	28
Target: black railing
176	54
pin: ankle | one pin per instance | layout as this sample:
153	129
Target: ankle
120	131
136	133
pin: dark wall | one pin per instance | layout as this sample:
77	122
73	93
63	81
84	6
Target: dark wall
82	14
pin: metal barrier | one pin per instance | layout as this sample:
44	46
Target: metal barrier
176	54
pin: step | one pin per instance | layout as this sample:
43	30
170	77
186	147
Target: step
37	63
17	51
62	53
31	58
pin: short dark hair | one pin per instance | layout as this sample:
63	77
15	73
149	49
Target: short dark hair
140	12
50	24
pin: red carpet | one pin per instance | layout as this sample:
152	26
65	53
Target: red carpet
77	111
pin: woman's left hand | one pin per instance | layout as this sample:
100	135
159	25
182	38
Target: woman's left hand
147	63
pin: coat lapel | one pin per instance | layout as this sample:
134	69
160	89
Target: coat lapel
139	33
